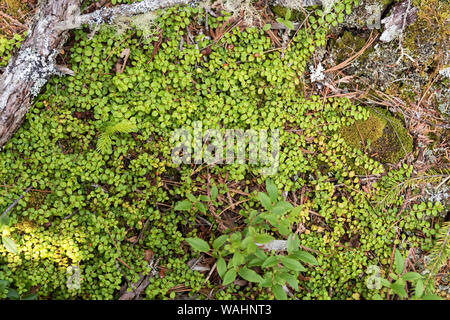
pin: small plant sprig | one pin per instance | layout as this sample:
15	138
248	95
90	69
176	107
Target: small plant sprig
244	253
286	20
104	141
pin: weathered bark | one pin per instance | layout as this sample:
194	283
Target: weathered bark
31	67
107	15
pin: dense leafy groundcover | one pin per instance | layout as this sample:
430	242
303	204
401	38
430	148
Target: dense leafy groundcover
109	210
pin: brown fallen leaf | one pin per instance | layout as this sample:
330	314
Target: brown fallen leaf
148	255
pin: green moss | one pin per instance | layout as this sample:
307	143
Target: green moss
382	133
428	35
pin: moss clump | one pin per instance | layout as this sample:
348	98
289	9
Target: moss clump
349	44
383	134
426	39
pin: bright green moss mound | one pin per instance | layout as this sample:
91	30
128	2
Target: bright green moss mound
382	133
104	211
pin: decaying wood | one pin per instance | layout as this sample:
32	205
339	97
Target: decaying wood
34	63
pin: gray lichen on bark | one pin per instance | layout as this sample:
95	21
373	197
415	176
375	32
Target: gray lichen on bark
403	14
108	15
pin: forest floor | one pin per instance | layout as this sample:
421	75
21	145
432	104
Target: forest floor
404	81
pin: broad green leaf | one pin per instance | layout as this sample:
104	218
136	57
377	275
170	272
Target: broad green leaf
289	24
191	197
263	238
306	257
267	282
221	267
290	279
237	236
265	200
271	217
296	210
10	245
270	262
278	292
272	190
432	297
267	27
32	296
250	275
214	193
3	284
393	275
255	262
288	14
284	227
246	242
198	244
183	205
419	289
251	248
201	207
238	259
411	276
385	282
292	264
260	254
291	243
229	277
4	220
282	207
278	279
399	289
12	294
398	262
